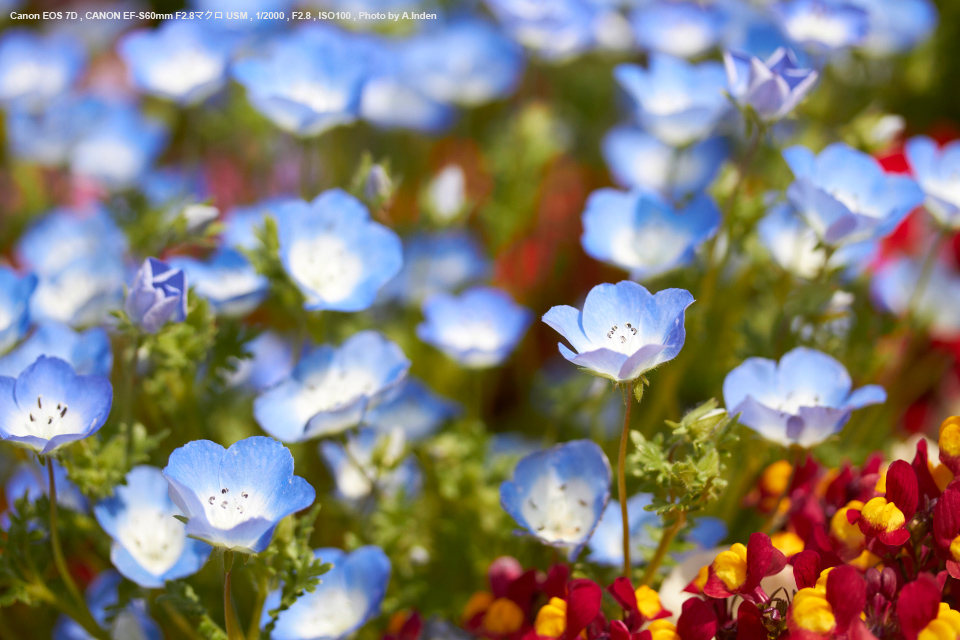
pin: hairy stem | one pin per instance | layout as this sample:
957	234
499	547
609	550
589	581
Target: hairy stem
231	620
622	482
253	629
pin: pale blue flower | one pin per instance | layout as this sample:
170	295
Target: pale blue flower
804	399
937	171
227	280
30	480
48	405
772	88
606	543
556	30
234	498
157	295
242	223
348	596
15	293
414	408
150	546
87	352
676	101
822	26
82	294
480	328
558	494
64	235
896	26
331	388
35	68
679	28
845	196
102	596
438	262
334	253
356	472
639	160
623	330
643	234
271	360
937	307
46	135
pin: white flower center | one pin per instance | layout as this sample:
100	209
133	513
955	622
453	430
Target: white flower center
818	26
229	508
227	283
108	158
624	337
6	318
448	191
666	102
946	189
326	266
62	298
336	389
154	538
559	512
793	400
331	613
317	96
31	76
653	245
45	419
185	71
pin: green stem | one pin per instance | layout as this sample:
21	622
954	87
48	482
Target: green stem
253	629
229	611
665	541
181	622
58	558
622	482
79	614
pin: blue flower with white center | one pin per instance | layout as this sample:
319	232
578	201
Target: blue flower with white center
234	498
331	388
182	60
556	30
639	160
308	81
150	546
480	328
438	262
896	26
822	26
158	294
36	68
102	597
65	235
642	233
772	88
676	101
845	196
752	30
937	171
804	399
683	29
623	330
558	494
414	408
30	481
227	280
349	595
372	461
48	405
937	307
82	294
15	292
46	135
271	360
606	543
334	253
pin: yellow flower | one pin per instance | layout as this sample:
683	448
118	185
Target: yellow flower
946	626
812	612
478	602
883	515
787	542
551	620
503	616
731	566
849	535
949	440
663	630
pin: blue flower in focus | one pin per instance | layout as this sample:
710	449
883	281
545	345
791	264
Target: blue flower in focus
896	26
150	546
639	160
48	405
822	26
36	68
309	80
773	88
803	400
641	233
436	263
937	307
334	253
479	328
102	596
331	388
181	60
349	595
938	173
676	101
606	543
158	294
414	408
556	30
682	29
30	481
558	494
15	292
845	196
234	498
623	330
270	361
227	280
372	461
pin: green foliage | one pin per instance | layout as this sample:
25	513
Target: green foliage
22	551
184	599
98	465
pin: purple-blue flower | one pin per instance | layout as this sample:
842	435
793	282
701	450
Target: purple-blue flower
937	171
15	292
556	30
158	294
623	330
772	88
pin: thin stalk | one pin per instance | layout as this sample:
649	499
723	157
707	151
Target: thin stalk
58	558
253	629
181	622
622	482
665	541
231	620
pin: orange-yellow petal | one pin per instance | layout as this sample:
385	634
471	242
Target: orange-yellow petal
478	603
883	515
503	616
663	630
648	601
787	542
849	535
811	611
551	620
731	566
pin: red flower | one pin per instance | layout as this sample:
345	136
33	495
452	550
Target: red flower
740	570
946	529
886	517
921	613
566	617
831	605
641	604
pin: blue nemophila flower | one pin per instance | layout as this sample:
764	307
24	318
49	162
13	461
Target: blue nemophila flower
639	160
331	388
30	481
87	352
15	292
349	595
479	328
435	263
242	223
896	26
845	196
103	595
181	60
938	174
804	399
234	498
558	494
150	546
937	307
414	408
643	234
683	29
270	361
48	405
772	88
46	134
606	543
371	461
158	294
623	330
66	235
334	253
822	26
556	30
308	81
82	294
676	101
36	68
227	280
